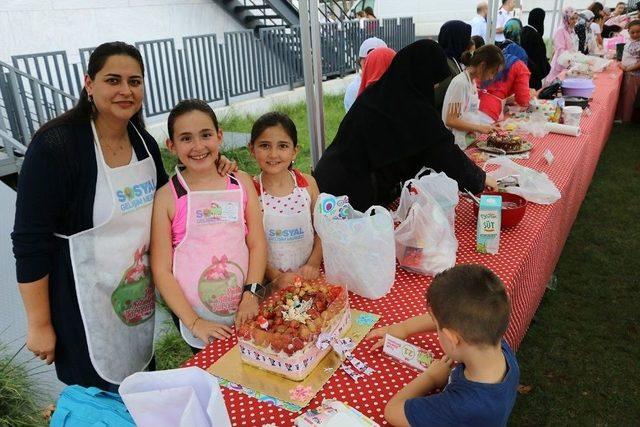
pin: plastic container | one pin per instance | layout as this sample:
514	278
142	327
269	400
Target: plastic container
578	87
571	115
513	208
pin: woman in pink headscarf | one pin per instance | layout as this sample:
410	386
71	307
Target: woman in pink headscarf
565	39
375	66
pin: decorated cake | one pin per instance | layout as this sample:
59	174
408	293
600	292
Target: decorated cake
504	141
284	337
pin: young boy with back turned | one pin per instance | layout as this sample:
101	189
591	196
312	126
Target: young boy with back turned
470	309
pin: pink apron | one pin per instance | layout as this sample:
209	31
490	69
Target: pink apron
211	261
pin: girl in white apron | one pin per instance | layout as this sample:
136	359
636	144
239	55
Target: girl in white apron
460	111
208	248
287	197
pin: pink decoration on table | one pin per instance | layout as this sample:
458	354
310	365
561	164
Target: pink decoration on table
300	393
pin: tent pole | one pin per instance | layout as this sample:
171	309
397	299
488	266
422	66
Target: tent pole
308	71
317	69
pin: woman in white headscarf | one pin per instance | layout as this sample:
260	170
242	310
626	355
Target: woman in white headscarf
565	39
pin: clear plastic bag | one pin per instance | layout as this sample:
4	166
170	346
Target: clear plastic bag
358	247
425	239
534	186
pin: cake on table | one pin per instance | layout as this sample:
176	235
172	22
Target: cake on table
282	337
504	141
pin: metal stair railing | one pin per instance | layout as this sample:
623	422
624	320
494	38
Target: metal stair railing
27	102
245	63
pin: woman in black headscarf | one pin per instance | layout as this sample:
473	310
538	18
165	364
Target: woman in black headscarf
455	39
533	44
392	131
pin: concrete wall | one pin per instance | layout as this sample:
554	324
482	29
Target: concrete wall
30	26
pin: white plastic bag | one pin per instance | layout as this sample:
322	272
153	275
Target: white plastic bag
358	248
425	239
185	397
443	189
534	186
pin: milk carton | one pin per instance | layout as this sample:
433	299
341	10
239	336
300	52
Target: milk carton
489	217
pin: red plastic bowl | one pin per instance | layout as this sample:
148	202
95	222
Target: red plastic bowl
510	216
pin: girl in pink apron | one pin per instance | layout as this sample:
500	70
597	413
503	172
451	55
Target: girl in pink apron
208	249
287	198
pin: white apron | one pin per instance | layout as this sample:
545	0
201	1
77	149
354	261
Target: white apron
289	235
470	113
211	262
111	271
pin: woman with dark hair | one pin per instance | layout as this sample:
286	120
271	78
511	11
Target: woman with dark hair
81	233
368	11
455	38
597	9
533	44
392	131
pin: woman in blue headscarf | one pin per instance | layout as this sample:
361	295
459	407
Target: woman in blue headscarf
510	85
455	39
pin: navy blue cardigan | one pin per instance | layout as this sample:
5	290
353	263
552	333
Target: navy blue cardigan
56	190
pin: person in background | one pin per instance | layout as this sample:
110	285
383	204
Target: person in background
618	16
597	8
479	22
361	15
375	66
533	44
511	85
565	39
369	13
478	41
512	32
454	38
504	14
461	103
392	131
351	93
630	64
586	38
598	22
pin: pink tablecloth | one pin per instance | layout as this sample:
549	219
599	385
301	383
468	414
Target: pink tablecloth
527	258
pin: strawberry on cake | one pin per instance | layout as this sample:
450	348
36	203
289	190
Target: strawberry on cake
282	337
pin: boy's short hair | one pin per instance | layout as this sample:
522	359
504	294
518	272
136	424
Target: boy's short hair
471	300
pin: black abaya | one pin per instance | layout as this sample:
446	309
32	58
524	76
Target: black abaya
393	130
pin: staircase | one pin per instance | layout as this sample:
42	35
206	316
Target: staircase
257	14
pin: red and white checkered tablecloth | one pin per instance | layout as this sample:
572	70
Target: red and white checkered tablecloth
528	255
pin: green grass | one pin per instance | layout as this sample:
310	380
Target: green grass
18	407
333	109
581	355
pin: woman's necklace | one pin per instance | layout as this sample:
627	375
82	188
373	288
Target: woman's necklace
113	148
